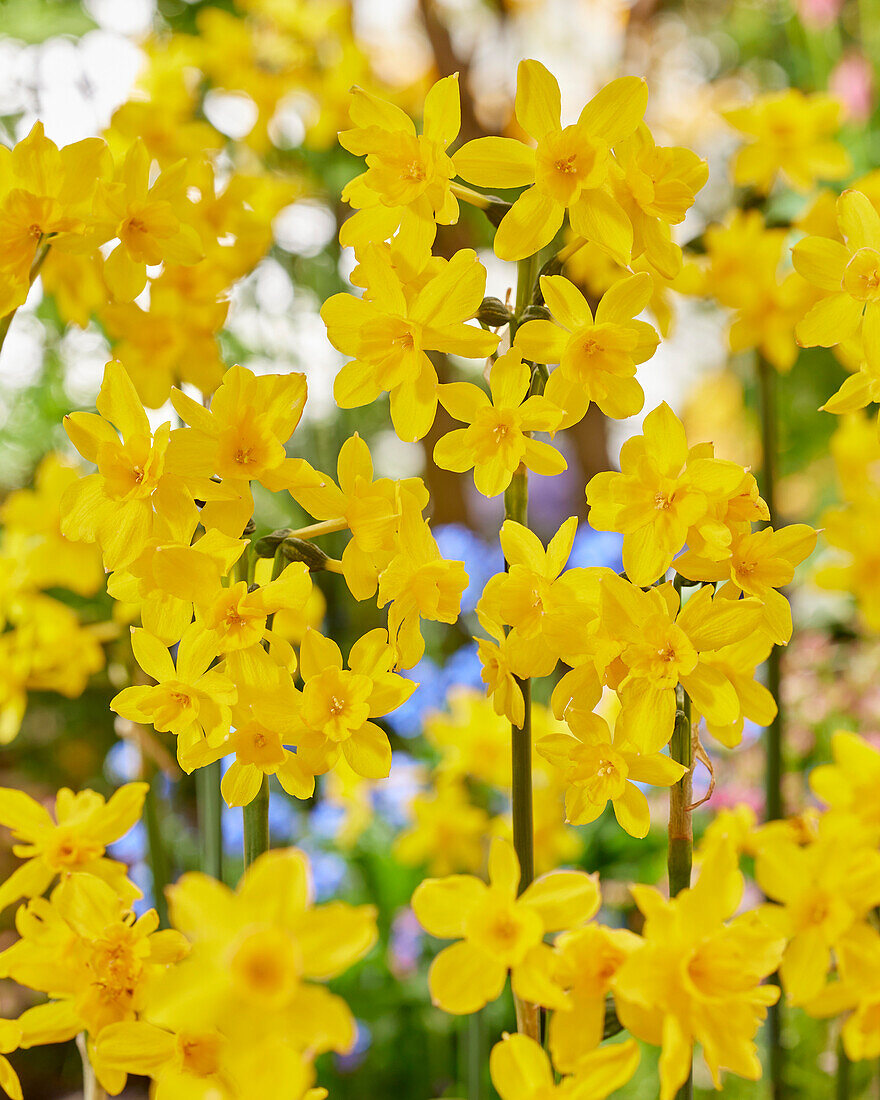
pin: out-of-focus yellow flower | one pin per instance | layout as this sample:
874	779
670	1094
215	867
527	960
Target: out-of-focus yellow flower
258	956
498	931
746	273
856	992
570	170
598	356
789	134
586	960
448	833
846	785
697	976
32	533
521	1070
85	948
389	331
498	438
825	891
46	197
848	278
74	842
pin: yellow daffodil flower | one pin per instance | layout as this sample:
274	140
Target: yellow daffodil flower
498	931
599	768
598	356
856	992
150	220
191	699
664	646
846	786
419	584
389	332
586	960
448	833
569	170
46	197
663	491
789	134
239	439
656	187
848	278
367	507
498	438
74	842
405	188
113	506
825	891
697	976
521	1070
760	563
338	703
258	956
96	961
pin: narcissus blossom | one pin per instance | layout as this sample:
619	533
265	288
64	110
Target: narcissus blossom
790	134
697	976
569	171
498	931
521	1070
598	356
498	437
390	330
75	841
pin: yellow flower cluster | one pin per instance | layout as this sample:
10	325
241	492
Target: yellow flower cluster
231	688
694	974
227	1002
44	646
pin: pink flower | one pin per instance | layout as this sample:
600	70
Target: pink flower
852	81
818	14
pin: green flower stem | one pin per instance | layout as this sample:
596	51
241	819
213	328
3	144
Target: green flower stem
256	824
475	1055
516	507
842	1090
680	853
91	1089
210	810
773	803
256	813
770	449
681	835
158	857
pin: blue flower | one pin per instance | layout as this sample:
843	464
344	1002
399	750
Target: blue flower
481	560
592	548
